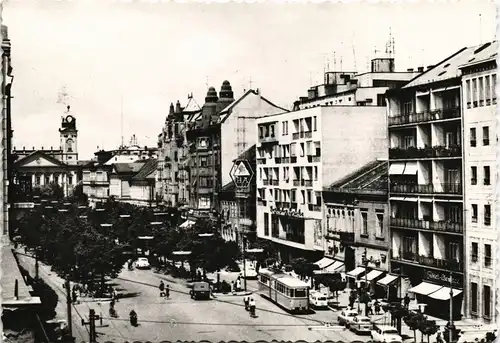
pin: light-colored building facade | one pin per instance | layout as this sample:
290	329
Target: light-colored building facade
357	89
299	153
427	184
479	77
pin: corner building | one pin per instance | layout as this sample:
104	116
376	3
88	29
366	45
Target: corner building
299	153
479	77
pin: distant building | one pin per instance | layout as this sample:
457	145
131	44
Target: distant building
298	154
343	88
479	80
36	168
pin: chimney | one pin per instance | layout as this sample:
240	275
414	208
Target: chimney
171	111
24	148
420	69
257	91
409	70
178	107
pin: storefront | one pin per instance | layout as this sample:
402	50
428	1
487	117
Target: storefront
389	286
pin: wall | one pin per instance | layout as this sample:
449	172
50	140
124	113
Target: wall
349	146
115	186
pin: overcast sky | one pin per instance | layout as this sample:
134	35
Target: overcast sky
151	54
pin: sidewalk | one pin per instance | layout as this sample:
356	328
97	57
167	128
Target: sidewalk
57	284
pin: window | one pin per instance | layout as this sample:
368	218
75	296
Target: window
380	100
468	93
380	225
454	251
175	156
315	173
474	213
364	224
407	107
487	215
481	91
473	176
487	255
261	132
473	296
487	88
486	135
486	175
203	161
474	252
487	301
70	179
494	87
473	137
266	224
474	92
315	127
301	149
408	142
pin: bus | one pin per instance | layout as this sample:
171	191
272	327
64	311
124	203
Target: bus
284	290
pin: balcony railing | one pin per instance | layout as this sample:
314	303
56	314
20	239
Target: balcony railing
261	160
433	152
268	139
445	264
285	160
443	226
274	182
440	188
295	135
315	208
296	182
295	238
445	113
265	182
307	183
308	134
277	160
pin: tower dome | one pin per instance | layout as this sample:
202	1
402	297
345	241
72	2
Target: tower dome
211	96
226	92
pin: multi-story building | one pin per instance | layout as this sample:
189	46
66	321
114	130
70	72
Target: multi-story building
226	120
299	153
361	89
238	213
36	168
173	157
479	77
426	183
356	225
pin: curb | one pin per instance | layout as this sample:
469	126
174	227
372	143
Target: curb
233	294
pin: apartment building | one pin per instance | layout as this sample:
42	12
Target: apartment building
426	184
299	153
479	77
354	88
173	160
225	129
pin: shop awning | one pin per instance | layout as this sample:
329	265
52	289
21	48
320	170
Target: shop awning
409	168
424	288
336	267
324	262
355	272
373	275
387	280
444	293
186	224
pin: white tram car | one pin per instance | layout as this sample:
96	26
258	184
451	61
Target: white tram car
284	290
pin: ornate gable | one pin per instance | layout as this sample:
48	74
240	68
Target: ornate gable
39	159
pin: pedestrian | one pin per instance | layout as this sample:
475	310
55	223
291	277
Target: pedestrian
251	304
162	289
246	300
167	292
238	284
74	296
233	286
115	295
377	307
439	339
406	301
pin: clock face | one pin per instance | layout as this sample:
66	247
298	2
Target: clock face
69	119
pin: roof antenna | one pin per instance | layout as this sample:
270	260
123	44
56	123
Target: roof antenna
121	119
480	29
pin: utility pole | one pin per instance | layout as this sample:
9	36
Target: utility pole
91	323
451	307
244	262
68	306
37	267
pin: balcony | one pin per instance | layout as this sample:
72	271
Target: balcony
295	135
440	188
265	182
441	226
268	139
293	159
285	160
434	152
261	202
307	183
261	160
274	182
308	134
445	113
277	160
444	264
296	182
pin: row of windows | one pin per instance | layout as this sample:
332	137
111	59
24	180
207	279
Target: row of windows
486	214
379	223
274	173
487	260
284	195
486	174
486	300
480	91
486	136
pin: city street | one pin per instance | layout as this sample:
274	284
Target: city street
224	318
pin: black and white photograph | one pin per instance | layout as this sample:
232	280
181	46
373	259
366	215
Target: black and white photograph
262	171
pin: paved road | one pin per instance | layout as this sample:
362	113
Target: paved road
224	318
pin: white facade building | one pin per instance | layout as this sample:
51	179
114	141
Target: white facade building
481	235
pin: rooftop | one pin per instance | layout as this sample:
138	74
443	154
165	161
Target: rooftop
129	168
371	178
147	169
449	68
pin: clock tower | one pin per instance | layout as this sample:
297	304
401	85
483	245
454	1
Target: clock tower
69	135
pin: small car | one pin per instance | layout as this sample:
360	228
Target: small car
346	316
200	290
361	325
385	334
318	300
142	263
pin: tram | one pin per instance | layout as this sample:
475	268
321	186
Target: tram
285	290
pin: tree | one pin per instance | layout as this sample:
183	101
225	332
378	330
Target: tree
414	321
428	328
51	191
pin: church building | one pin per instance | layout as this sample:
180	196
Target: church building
34	168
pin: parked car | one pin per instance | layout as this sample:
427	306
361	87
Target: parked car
346	316
318	300
361	325
142	263
385	334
